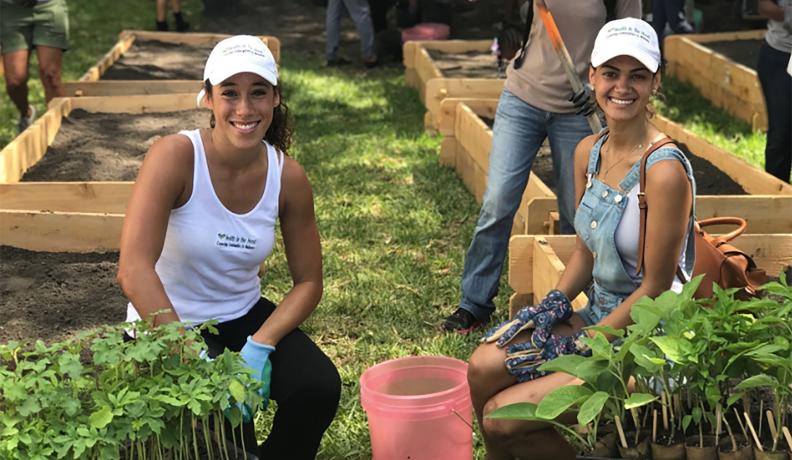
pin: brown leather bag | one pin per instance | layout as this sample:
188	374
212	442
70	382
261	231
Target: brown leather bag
720	262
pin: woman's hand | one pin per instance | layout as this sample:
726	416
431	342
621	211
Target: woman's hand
554	308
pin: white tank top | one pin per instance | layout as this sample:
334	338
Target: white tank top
210	260
627	236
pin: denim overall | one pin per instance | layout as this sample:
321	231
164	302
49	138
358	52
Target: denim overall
596	220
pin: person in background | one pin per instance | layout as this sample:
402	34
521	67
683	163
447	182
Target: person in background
777	86
202	219
535	105
671	12
162	16
361	16
25	25
624	74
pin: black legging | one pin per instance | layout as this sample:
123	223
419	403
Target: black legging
305	383
777	90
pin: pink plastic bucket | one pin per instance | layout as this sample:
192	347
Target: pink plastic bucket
418	408
426	31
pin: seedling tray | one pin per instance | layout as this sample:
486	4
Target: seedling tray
728	84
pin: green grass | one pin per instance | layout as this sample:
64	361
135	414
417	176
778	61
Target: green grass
394	225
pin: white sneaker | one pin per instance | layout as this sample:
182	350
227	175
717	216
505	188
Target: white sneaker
24	122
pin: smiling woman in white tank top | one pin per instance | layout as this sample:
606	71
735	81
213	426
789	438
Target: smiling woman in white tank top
200	222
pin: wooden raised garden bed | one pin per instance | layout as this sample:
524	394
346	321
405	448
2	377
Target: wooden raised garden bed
82	215
722	66
467	142
450	68
30	146
537	262
144	62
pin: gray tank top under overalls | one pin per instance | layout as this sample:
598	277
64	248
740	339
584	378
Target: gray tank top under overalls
596	220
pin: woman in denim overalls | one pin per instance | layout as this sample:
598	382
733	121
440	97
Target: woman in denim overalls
624	74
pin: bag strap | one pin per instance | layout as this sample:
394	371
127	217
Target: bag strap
642	204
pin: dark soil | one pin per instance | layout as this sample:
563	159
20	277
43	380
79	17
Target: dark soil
107	146
709	179
745	52
49	296
471	64
157	60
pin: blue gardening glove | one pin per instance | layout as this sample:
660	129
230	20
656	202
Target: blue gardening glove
554	307
256	358
584	102
523	359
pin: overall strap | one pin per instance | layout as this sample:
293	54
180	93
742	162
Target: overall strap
594	160
642	203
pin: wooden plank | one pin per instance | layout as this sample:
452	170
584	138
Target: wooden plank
56	231
751	179
129	87
764	213
426	70
90	197
438	89
756	34
28	148
447	115
145	103
126	39
537	262
473	135
448	151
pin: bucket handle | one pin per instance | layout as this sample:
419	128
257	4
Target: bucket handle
470	425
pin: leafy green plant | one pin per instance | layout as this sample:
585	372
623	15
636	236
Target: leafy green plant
97	396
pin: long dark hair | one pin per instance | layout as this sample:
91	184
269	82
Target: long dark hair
279	133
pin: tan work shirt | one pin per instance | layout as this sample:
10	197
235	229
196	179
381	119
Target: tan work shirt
541	80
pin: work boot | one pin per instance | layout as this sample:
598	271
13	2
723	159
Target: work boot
462	322
181	24
24	122
162	26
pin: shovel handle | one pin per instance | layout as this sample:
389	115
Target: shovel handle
566	59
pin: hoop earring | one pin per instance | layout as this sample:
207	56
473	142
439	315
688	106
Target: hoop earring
212	121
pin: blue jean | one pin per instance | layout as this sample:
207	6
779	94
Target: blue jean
361	16
777	89
518	133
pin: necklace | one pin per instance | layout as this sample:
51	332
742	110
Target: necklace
605	172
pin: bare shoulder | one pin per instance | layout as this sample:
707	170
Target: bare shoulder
583	149
173	148
668	175
293	173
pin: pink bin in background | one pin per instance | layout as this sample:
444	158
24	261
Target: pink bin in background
426	31
418	408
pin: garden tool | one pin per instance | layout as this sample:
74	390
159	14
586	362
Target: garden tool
566	60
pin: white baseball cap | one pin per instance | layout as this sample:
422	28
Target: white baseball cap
627	37
238	54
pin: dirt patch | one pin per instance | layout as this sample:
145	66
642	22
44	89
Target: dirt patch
745	52
709	179
49	296
471	64
157	60
107	146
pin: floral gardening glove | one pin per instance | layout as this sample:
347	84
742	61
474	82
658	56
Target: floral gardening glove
256	358
554	307
523	359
